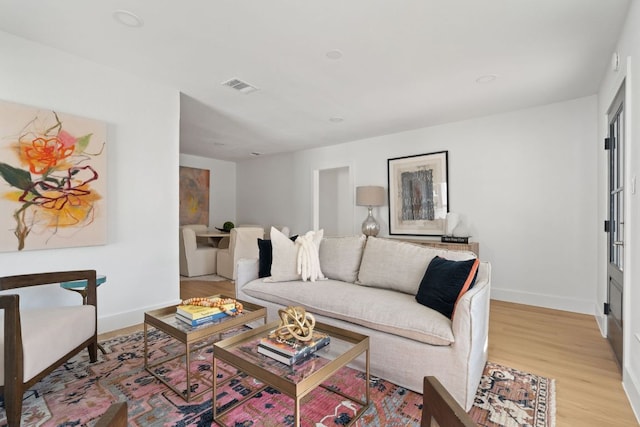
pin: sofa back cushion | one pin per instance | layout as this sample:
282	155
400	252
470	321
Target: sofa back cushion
400	266
340	257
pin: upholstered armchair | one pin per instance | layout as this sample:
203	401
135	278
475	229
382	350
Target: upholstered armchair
195	260
38	340
243	243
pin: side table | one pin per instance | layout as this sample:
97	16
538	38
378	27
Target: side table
80	286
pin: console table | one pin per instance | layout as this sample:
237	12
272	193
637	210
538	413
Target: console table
471	246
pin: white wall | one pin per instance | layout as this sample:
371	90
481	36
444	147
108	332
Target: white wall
222	187
524	182
264	192
141	256
628	48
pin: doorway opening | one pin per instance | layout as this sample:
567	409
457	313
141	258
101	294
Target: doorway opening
333	201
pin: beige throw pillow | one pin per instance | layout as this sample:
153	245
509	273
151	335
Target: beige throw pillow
284	264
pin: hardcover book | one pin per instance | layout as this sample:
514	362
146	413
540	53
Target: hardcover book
293	351
454	239
201	320
194	312
290	360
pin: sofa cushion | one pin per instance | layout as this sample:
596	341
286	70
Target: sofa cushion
340	257
445	282
284	264
399	265
380	309
265	256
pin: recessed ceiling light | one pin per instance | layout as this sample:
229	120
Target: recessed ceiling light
127	18
487	78
336	119
334	54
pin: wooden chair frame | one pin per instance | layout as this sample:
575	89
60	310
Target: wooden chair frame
439	405
14	384
116	416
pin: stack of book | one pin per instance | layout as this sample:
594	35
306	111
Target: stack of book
196	315
292	351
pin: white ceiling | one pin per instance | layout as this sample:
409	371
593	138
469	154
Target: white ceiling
405	64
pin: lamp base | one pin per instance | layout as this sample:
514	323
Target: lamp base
370	226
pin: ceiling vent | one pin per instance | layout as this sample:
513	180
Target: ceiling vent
239	85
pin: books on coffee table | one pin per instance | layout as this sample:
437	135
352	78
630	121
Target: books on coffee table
195	312
201	320
292	351
196	315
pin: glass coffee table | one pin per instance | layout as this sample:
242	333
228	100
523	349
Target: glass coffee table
297	381
193	337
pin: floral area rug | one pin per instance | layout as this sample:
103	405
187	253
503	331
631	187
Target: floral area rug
78	392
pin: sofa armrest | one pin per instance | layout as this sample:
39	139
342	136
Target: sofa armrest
246	271
471	318
470	326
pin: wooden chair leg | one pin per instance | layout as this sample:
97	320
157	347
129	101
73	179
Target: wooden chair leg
93	351
13	407
116	416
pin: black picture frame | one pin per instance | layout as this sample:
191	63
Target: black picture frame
418	194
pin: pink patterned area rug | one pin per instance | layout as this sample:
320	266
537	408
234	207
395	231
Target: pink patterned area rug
77	393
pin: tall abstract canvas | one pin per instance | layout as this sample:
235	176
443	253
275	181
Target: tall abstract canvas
53	179
194	196
418	194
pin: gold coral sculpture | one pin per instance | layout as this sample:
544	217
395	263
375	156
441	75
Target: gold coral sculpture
295	323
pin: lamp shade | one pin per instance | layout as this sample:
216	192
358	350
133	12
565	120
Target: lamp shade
370	195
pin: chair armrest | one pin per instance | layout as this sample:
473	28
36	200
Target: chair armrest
438	404
246	270
13	359
27	280
116	416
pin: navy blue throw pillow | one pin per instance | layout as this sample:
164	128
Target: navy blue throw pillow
265	256
444	282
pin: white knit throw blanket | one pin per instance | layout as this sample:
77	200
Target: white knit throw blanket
308	262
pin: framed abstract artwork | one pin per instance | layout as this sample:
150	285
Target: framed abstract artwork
53	179
418	194
194	196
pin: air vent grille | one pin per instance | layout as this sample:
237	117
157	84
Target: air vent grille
240	85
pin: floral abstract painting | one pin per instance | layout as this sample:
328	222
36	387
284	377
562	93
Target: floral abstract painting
53	183
194	196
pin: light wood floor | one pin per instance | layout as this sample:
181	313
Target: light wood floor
556	344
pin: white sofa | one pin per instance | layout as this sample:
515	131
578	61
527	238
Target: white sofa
371	290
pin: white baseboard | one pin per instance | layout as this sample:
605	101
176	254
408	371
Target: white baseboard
601	319
632	389
541	300
127	318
